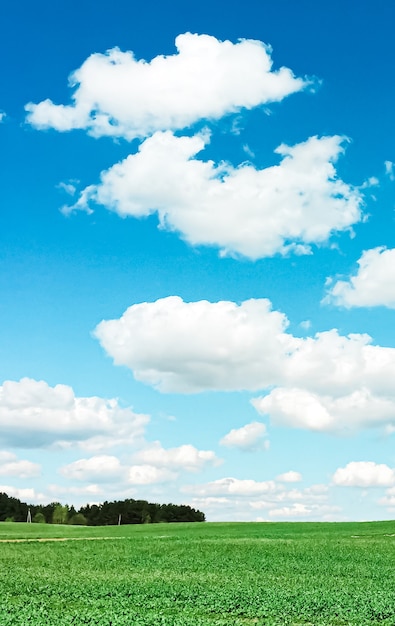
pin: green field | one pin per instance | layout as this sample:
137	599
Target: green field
198	574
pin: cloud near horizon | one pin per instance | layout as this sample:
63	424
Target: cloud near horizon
116	95
246	498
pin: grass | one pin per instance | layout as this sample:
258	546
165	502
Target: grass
199	575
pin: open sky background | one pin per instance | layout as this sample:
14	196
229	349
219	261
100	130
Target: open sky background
197	259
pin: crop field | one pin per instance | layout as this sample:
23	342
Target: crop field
198	574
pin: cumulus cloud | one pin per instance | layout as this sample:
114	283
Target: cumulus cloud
10	465
328	382
290	477
25	494
117	95
152	464
300	408
33	414
189	347
2	116
185	457
241	210
249	437
372	285
232	498
334	383
101	468
364	474
232	487
109	469
389	499
313	495
304	511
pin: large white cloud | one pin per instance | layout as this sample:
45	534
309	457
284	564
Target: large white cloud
364	474
101	468
328	382
334	383
242	210
180	346
151	464
10	465
117	95
33	414
372	285
249	437
186	457
26	494
301	408
109	469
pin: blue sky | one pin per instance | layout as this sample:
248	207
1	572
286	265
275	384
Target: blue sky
197	259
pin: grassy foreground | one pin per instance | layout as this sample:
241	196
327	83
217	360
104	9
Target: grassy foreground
199	575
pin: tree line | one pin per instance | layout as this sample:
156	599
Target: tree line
108	513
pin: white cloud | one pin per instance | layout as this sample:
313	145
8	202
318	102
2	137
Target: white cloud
149	474
68	187
232	487
315	494
189	347
86	491
364	474
290	477
328	382
2	116
33	414
102	469
117	95
185	457
389	169
245	211
334	364
248	151
28	495
249	437
300	408
305	511
152	464
11	466
389	499
295	510
232	499
372	285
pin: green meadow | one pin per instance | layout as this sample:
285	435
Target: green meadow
327	574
